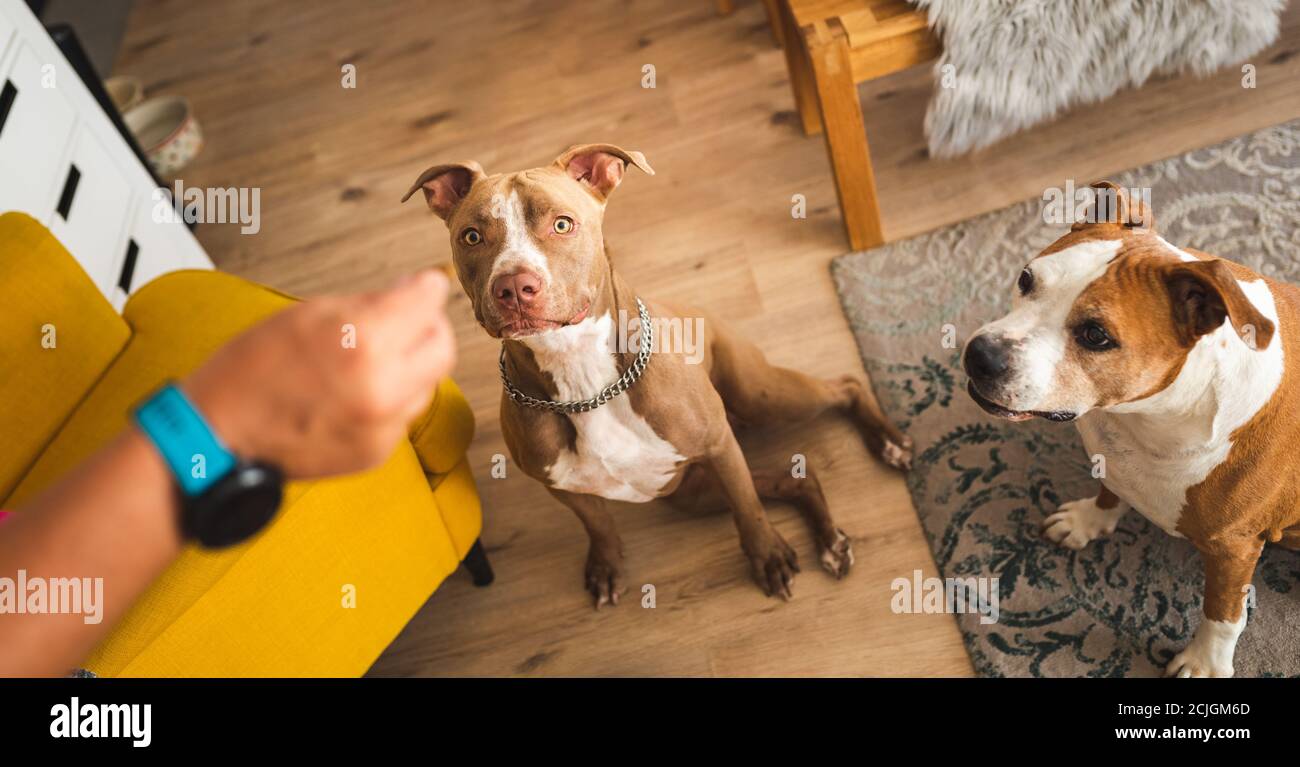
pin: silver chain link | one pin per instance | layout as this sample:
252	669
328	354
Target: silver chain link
624	382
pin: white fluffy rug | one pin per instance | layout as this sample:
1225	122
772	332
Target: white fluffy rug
1010	64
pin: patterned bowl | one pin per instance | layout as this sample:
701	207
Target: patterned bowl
167	131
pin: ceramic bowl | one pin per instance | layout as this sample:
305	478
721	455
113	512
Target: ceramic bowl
167	131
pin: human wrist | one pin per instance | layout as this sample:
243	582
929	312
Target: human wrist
224	414
225	497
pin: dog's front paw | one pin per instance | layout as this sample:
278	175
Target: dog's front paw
837	555
604	578
1210	652
774	564
1076	523
1189	664
898	455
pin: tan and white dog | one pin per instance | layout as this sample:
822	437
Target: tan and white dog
529	250
1183	371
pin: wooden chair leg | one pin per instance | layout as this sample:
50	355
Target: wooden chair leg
846	134
799	66
476	562
773	9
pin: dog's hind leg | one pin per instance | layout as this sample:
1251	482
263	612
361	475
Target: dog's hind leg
756	391
1229	567
701	491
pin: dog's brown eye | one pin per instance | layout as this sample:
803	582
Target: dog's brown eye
471	236
563	225
1094	336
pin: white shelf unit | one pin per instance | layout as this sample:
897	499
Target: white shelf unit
63	162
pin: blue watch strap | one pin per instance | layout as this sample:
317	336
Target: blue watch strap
195	455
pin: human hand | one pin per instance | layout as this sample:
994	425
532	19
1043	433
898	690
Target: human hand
291	392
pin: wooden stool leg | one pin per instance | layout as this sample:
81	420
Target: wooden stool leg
799	66
846	134
773	9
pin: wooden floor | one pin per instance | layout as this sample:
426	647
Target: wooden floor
511	84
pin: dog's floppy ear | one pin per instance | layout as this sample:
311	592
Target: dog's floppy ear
1203	293
600	166
446	185
1112	204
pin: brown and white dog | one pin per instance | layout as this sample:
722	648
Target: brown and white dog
1182	370
529	251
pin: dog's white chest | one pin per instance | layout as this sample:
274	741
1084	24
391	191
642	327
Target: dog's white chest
1154	485
616	454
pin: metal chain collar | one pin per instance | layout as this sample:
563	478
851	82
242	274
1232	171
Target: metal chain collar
624	382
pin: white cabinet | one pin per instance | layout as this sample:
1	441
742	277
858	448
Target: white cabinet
154	247
63	162
6	33
91	210
35	134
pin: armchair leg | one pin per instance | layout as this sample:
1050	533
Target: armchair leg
476	562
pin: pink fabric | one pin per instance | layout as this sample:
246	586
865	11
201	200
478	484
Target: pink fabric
3	514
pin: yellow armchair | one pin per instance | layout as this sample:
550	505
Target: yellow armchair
329	584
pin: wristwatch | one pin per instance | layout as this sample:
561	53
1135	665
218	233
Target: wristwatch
223	498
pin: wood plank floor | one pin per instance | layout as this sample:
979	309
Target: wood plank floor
511	84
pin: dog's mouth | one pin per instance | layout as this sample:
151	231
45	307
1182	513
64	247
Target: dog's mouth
994	408
531	326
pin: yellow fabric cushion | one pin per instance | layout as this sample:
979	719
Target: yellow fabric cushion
321	592
458	502
176	322
441	436
274	605
46	298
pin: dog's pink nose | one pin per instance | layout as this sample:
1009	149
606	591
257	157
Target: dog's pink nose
518	291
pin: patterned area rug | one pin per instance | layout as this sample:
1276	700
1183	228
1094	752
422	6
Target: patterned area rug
1125	604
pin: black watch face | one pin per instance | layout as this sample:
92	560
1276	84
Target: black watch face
235	508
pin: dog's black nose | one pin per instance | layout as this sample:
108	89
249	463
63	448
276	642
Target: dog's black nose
985	359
